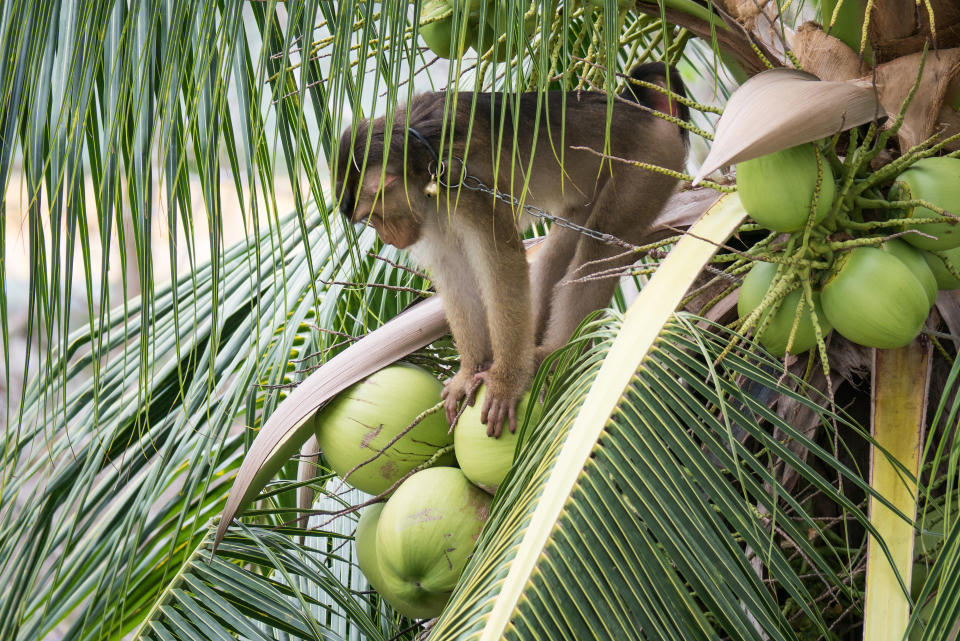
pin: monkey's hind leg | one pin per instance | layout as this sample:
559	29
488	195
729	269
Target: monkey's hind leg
595	270
548	268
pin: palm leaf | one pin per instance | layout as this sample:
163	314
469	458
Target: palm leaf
660	533
120	540
901	383
311	592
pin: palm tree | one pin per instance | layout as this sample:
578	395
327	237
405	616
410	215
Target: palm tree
682	482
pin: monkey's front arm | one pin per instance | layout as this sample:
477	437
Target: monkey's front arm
495	253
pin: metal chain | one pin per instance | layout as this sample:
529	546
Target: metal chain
471	182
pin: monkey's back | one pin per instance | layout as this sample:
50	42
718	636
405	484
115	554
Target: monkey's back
550	147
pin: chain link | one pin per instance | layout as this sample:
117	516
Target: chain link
471	182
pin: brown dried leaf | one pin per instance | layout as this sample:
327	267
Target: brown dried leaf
683	209
825	56
306	470
899	28
948	304
941	72
781	108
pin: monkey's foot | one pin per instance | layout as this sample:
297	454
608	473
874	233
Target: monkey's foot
461	386
500	400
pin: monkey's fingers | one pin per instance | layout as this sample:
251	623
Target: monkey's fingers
452	410
503	409
495	424
496	410
444	394
499	415
485	413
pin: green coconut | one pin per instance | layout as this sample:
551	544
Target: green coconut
439	34
937	181
913	258
365	541
498	17
483	459
777	189
945	278
365	418
776	334
483	39
425	536
874	299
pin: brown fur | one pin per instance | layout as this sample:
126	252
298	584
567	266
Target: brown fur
505	319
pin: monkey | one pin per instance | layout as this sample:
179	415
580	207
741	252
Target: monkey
506	317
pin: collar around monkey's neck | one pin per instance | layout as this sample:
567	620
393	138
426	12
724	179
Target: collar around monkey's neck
426	143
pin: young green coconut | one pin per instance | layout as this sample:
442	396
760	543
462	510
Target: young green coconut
936	181
914	259
483	459
776	332
364	419
365	542
874	299
438	34
425	535
777	190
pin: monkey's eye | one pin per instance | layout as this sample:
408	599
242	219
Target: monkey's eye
347	202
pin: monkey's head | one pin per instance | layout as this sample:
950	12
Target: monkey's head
378	192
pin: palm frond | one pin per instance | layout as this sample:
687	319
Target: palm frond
309	592
125	488
676	520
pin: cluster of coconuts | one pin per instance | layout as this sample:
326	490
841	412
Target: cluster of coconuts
413	548
874	295
437	26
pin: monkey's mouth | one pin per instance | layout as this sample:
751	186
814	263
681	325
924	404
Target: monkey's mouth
400	236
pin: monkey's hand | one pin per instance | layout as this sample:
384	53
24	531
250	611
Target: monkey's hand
460	386
500	400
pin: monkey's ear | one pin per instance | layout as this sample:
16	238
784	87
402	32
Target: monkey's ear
372	182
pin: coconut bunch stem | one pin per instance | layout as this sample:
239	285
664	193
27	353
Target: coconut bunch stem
926	149
779	288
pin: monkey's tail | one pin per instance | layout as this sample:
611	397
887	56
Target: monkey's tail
657	73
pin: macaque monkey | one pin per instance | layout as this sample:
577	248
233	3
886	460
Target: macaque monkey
505	317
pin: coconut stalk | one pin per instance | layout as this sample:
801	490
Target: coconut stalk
900	384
